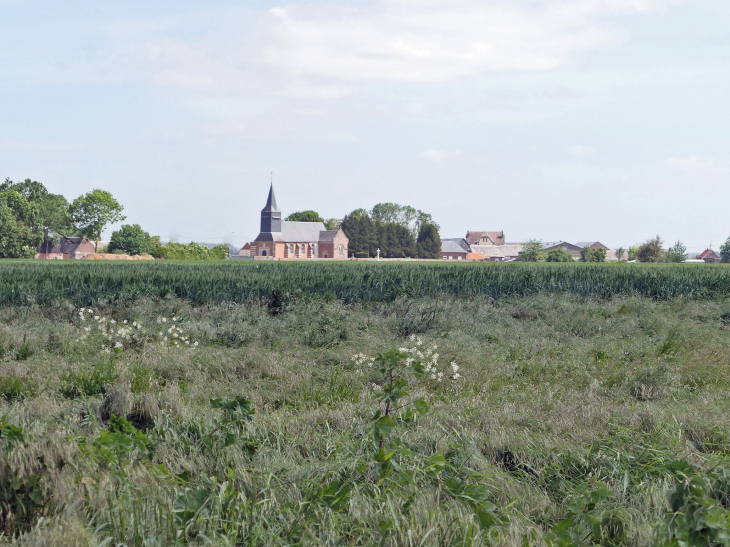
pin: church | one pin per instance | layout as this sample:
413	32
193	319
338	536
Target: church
284	239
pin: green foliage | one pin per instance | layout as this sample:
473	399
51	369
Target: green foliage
677	253
13	388
194	251
559	255
95	380
92	212
367	235
85	284
588	254
633	253
131	239
333	224
20	231
620	253
53	215
651	250
532	251
305	216
429	241
116	446
725	251
696	517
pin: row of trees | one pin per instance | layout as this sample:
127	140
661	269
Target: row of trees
30	214
652	250
399	231
534	251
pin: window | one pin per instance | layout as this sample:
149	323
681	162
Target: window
459	258
263	252
325	255
341	250
301	250
444	257
451	258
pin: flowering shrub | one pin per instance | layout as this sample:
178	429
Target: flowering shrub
115	337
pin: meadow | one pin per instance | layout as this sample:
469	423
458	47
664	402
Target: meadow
419	416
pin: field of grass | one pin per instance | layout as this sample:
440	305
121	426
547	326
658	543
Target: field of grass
83	283
574	420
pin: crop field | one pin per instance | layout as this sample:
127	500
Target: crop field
84	284
363	404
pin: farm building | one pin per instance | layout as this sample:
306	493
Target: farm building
289	240
68	248
592	245
564	245
709	256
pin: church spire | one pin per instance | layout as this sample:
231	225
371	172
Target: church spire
271	202
270	215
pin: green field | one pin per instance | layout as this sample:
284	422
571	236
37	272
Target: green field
586	405
85	283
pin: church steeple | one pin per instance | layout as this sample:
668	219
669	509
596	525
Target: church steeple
270	215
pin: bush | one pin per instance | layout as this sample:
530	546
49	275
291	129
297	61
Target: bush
532	251
194	251
559	255
361	255
651	250
130	239
588	254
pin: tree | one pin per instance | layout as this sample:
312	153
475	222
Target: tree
725	251
333	224
52	208
532	251
405	215
131	239
305	216
588	254
677	253
92	212
651	250
361	231
633	253
428	244
20	234
620	252
559	255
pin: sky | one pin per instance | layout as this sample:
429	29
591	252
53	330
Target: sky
575	120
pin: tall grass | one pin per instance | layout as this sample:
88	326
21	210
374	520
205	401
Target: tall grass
83	283
577	421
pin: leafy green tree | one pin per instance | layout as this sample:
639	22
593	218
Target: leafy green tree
725	251
677	253
395	240
633	253
52	208
92	212
588	254
405	215
559	255
428	244
532	251
333	224
620	252
305	216
361	231
651	250
20	234
131	239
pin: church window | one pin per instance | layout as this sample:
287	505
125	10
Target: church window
341	250
263	252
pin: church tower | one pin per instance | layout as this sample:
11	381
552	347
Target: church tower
270	219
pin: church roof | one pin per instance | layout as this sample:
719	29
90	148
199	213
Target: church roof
271	202
301	232
328	235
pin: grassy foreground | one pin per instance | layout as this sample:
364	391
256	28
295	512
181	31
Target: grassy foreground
574	421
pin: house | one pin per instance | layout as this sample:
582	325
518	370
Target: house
709	256
68	248
485	238
498	253
283	239
564	245
454	249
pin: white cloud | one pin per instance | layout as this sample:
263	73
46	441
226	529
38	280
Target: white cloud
692	162
580	150
442	155
326	50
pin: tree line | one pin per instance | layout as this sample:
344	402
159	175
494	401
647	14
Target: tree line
399	231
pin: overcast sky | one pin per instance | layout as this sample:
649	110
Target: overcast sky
554	119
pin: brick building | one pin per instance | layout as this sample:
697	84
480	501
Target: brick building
284	239
68	248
